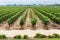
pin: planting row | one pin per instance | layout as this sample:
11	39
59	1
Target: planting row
38	35
33	20
13	18
44	19
10	14
49	15
23	19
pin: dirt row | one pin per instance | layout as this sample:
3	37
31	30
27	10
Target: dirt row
28	25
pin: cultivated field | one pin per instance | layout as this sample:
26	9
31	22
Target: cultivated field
25	17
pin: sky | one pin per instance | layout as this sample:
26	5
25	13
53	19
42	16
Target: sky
29	2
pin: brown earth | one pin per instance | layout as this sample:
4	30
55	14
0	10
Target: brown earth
28	24
4	25
16	25
39	24
53	25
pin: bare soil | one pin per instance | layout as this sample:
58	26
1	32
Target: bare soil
4	25
39	24
28	24
16	25
53	25
30	33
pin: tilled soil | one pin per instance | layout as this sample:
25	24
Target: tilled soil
16	24
4	25
28	24
53	25
39	24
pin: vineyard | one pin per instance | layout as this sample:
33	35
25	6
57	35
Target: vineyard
25	17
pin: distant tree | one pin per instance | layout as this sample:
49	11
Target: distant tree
34	4
14	4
